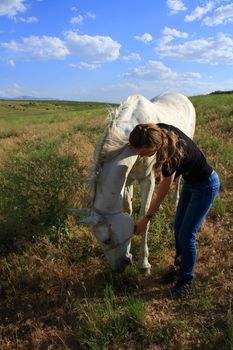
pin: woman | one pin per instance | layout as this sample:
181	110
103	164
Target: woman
177	154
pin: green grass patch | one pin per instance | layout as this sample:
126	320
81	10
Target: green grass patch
103	323
79	127
21	114
218	207
216	105
4	134
37	186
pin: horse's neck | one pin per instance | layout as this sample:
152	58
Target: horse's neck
111	183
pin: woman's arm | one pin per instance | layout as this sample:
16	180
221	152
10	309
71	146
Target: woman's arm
163	189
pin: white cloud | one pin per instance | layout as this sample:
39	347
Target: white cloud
166	39
11	8
211	50
11	90
76	20
174	32
145	38
79	19
31	19
14	89
157	71
155	77
150	71
85	65
175	6
222	15
90	15
38	48
199	12
93	48
171	34
132	57
11	62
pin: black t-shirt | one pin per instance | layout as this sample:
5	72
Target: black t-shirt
193	167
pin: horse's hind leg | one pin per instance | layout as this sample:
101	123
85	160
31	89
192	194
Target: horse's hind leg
147	188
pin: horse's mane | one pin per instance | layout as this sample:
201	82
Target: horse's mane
110	144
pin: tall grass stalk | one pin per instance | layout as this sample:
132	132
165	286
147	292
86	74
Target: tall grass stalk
104	323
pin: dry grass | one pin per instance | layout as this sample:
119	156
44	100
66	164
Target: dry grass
48	283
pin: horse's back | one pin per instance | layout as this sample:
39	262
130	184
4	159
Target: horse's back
170	108
175	109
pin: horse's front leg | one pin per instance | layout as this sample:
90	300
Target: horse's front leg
177	191
128	197
147	188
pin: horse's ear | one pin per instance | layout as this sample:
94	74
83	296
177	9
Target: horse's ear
79	211
93	218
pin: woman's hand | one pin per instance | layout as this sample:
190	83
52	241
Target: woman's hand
141	225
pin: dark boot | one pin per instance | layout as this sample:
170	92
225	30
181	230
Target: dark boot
173	273
181	289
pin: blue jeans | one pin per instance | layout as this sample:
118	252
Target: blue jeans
195	201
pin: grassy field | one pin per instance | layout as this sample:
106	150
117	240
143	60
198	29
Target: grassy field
56	289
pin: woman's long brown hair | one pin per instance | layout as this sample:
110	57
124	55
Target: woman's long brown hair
168	144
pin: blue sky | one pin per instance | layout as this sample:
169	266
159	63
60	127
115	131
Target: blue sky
100	50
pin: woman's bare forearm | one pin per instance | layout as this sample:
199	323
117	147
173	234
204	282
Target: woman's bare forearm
162	190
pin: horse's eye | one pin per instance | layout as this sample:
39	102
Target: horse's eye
108	241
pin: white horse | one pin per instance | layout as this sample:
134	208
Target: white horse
116	167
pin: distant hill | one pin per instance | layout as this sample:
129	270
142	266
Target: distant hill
31	98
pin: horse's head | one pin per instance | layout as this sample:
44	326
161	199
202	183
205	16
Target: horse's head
113	232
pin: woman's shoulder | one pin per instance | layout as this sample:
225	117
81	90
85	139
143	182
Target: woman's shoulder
170	127
177	131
